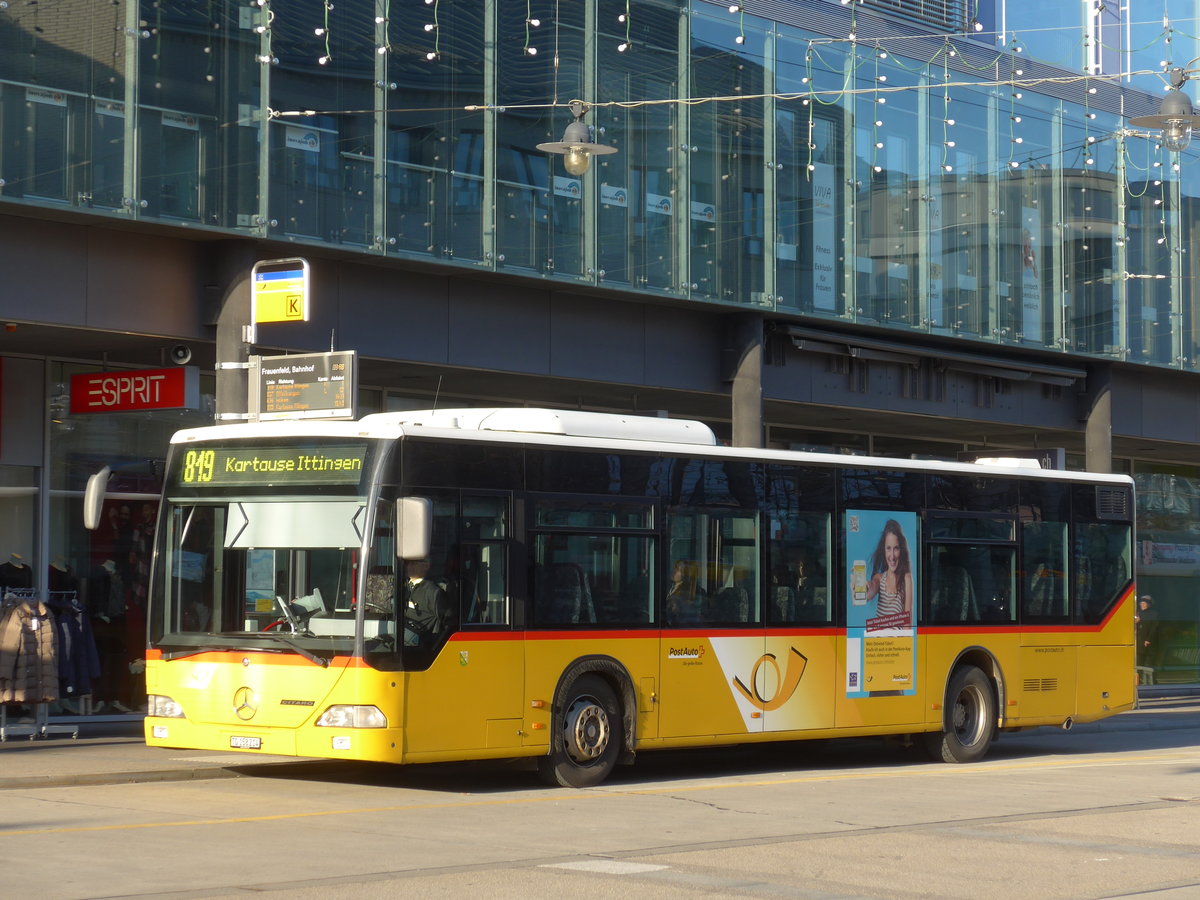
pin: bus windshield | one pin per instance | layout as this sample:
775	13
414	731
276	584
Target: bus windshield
255	555
258	567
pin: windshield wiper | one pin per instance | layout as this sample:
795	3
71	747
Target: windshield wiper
303	651
244	639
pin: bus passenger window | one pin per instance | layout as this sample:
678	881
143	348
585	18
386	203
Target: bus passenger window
1044	588
799	565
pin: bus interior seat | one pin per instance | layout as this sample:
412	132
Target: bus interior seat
730	604
380	590
954	596
474	592
564	597
1045	596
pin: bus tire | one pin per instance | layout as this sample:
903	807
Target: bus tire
587	736
971	717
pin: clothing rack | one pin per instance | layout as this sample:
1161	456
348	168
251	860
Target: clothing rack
40	726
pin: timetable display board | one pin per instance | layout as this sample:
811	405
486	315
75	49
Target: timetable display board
305	386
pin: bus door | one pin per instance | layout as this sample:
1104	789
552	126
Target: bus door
466	666
795	679
713	639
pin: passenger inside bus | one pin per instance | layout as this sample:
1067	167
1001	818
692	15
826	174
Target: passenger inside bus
681	606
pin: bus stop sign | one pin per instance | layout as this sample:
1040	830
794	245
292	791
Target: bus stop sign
280	291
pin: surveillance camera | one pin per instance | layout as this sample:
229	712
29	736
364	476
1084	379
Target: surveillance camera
181	354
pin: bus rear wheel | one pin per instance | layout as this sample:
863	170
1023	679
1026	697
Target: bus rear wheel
587	737
971	716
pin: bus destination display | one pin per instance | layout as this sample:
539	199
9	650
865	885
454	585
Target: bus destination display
207	466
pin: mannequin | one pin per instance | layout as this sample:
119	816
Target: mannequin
60	576
15	574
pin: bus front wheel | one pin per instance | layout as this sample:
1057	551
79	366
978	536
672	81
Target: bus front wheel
970	717
587	736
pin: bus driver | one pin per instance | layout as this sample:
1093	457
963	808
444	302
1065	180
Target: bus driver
425	605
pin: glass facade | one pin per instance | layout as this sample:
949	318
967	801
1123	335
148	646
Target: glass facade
950	185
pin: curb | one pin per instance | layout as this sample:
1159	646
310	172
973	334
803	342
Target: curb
92	779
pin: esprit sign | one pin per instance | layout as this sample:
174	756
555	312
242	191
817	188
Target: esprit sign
140	389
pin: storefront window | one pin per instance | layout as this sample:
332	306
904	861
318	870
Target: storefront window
102	575
1168	553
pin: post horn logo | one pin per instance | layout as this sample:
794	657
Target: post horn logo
245	704
790	679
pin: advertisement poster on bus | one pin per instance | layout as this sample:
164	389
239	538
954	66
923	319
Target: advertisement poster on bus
881	584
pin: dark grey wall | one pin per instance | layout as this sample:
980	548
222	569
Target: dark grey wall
100	278
22	411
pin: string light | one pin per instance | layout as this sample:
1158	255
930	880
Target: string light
738	10
531	22
324	32
436	52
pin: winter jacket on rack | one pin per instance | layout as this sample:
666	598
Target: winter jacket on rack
28	658
78	661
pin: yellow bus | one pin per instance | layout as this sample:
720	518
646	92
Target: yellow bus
578	587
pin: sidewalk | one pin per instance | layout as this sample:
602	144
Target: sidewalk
116	753
113	751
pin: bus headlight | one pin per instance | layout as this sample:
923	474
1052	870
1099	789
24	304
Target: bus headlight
163	707
353	717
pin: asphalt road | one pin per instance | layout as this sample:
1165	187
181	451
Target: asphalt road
1105	811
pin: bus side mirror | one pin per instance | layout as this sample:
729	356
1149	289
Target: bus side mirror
414	525
93	498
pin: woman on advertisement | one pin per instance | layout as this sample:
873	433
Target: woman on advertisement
891	579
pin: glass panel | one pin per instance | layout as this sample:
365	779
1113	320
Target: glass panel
644	135
1044	551
959	217
1091	292
1022	308
799	563
583	514
971	528
107	155
1168	505
1101	568
1148	214
974	493
539	210
636	221
809	192
874	489
726	216
714	575
587	579
972	583
1059	36
484	584
47	130
889	213
485	518
434	146
321	164
170	159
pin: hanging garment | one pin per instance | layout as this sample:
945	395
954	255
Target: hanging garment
28	657
78	661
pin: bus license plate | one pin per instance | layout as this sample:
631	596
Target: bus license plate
245	743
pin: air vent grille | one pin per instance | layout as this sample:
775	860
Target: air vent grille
1040	685
1114	503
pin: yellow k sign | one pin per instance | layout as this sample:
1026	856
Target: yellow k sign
796	664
